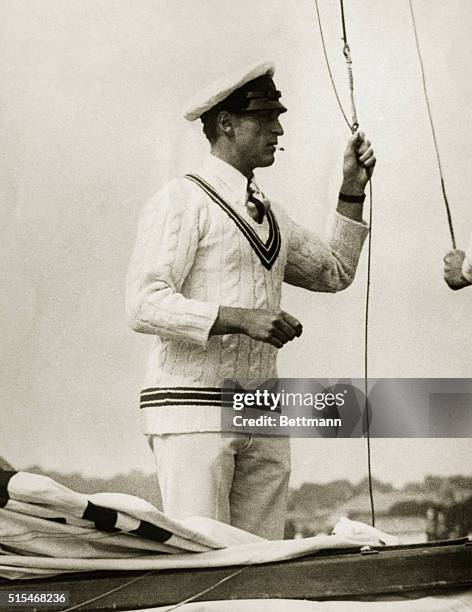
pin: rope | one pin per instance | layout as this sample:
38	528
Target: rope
353	127
329	67
366	361
343	22
433	131
347	55
118	588
174	607
207	590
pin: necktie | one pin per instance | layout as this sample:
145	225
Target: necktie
257	204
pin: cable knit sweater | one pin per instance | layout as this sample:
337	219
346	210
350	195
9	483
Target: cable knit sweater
190	257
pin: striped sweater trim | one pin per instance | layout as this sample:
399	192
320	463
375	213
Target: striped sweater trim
184	396
268	251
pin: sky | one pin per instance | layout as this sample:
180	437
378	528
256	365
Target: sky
90	115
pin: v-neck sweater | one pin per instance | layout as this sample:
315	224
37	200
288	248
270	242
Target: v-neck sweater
190	258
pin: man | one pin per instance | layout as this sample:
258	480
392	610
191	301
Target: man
458	268
206	278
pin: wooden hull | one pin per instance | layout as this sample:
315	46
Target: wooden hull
386	571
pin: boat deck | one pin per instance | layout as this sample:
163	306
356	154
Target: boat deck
389	571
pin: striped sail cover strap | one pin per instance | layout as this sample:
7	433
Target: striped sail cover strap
63	506
268	251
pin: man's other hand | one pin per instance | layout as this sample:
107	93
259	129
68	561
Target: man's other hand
453	270
275	327
358	165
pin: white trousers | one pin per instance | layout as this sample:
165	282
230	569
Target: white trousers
242	481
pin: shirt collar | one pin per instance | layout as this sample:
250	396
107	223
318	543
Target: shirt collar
225	179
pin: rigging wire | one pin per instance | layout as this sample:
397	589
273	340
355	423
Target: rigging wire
205	591
343	23
323	44
102	595
353	127
347	56
366	361
173	606
433	131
